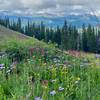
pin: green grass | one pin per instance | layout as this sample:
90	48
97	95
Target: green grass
12	39
45	72
37	78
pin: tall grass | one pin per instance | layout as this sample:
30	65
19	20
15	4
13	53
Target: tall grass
46	74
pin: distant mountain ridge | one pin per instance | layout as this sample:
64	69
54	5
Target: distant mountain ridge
77	20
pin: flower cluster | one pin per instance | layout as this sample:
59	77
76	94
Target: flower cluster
38	98
2	66
74	53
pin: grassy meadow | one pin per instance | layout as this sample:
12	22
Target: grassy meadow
34	71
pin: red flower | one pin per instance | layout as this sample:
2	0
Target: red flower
31	50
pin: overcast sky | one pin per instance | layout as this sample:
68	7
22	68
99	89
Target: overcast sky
49	8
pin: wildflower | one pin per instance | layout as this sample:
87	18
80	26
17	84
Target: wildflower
55	60
38	98
86	64
82	65
97	56
53	92
1	66
28	96
2	54
31	50
85	61
42	51
8	71
61	89
58	64
37	49
69	65
76	82
13	65
44	87
53	81
45	82
59	61
78	78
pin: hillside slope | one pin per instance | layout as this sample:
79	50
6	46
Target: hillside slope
10	38
6	34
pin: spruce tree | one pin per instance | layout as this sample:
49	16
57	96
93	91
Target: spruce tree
64	36
84	39
91	39
57	36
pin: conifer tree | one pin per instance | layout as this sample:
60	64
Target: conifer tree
64	36
84	39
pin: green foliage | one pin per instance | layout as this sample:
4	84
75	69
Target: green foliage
37	78
17	53
67	37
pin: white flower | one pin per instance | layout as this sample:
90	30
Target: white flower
53	81
8	71
69	65
76	82
61	89
82	65
53	92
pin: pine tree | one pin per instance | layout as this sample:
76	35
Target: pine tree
98	42
57	36
42	30
74	38
91	39
64	36
84	39
19	25
7	22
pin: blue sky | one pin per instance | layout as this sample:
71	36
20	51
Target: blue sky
49	8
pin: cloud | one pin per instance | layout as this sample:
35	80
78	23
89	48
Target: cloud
49	8
78	2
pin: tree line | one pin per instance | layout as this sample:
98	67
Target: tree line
67	37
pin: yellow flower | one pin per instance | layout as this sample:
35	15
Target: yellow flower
78	78
44	87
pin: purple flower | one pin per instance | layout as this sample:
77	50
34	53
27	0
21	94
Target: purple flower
1	66
38	98
97	56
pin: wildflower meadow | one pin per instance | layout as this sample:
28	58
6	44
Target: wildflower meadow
38	73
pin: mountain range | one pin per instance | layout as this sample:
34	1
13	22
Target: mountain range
77	20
